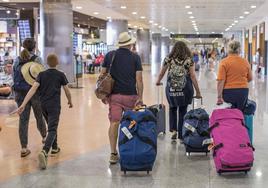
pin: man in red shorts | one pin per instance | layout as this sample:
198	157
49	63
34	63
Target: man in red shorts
126	70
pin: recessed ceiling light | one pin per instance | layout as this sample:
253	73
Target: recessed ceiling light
17	13
79	7
135	26
96	13
212	32
166	29
129	24
159	26
156	24
241	17
233	24
141	28
134	13
230	26
151	21
227	29
191	17
236	21
78	25
246	12
143	17
193	21
123	7
222	33
187	6
197	33
5	0
8	11
189	12
253	6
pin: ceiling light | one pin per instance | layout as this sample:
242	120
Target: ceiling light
189	12
17	13
151	21
109	17
241	17
191	17
166	29
5	0
246	12
129	24
8	11
187	6
156	24
123	7
78	7
159	26
143	17
236	21
230	26
197	33
227	29
233	24
222	33
96	13
135	26
213	32
193	21
78	25
253	6
134	13
163	28
141	28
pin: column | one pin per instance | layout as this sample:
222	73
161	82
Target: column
156	48
56	27
143	45
165	44
114	28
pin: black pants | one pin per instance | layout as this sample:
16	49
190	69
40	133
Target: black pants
51	112
237	97
174	124
25	116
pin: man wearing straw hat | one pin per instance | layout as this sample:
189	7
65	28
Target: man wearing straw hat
126	70
26	68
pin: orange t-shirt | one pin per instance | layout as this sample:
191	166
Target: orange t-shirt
235	71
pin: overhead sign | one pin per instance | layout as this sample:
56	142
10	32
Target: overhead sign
190	36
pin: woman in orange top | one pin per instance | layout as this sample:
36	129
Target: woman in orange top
233	77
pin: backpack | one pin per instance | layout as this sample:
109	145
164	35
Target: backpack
19	82
177	75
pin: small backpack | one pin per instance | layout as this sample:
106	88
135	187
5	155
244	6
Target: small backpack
19	82
177	76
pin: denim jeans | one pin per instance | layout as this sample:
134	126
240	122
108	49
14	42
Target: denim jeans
174	114
25	116
51	112
237	97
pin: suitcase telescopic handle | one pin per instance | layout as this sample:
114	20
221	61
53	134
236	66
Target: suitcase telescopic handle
160	94
201	99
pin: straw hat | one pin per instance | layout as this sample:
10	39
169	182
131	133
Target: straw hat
125	39
30	71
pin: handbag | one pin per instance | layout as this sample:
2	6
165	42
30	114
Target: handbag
105	83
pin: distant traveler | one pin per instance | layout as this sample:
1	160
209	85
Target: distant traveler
49	83
179	88
258	58
126	70
6	81
21	87
233	77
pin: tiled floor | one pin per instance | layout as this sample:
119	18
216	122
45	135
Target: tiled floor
84	158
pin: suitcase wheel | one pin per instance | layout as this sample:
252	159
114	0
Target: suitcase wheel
125	172
246	172
219	172
148	172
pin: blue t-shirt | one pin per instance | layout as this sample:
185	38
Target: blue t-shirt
123	71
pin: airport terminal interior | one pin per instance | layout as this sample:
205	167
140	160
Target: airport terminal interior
81	33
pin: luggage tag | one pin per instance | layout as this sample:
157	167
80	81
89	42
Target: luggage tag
127	133
211	147
189	127
207	141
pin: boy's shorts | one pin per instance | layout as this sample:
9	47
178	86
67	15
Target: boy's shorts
118	104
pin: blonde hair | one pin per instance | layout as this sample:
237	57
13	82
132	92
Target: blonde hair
52	60
25	55
234	47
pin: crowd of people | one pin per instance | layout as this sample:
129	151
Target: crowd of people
40	89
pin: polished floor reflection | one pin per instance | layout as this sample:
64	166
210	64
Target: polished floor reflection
83	161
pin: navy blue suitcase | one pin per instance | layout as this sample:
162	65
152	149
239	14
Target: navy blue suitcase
137	141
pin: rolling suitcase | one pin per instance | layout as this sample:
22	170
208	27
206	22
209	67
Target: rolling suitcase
195	132
232	150
137	141
249	124
159	110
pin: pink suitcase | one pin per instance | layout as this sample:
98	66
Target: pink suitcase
233	151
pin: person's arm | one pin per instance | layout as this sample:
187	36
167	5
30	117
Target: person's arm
195	83
68	95
161	74
139	80
250	77
28	97
220	86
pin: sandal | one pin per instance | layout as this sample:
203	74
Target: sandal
25	153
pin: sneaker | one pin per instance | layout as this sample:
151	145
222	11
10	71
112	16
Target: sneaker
25	152
174	135
114	158
55	151
42	157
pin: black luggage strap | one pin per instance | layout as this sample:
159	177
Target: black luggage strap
213	127
250	145
216	148
142	138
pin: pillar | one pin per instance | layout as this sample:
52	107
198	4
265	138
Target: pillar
114	28
165	44
143	45
56	29
156	48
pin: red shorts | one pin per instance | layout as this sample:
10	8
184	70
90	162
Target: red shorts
118	104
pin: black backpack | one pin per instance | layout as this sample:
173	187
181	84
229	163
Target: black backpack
19	82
